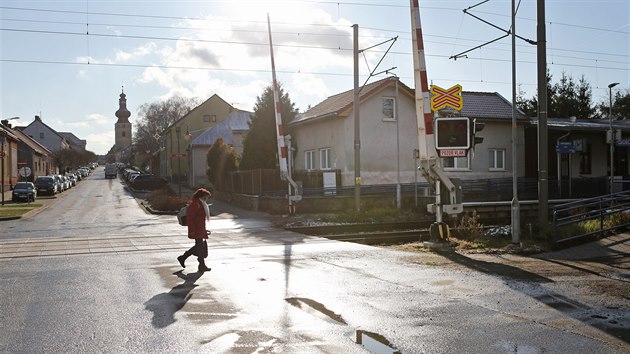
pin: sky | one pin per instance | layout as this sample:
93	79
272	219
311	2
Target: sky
67	61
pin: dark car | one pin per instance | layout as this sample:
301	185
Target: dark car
24	191
147	182
46	184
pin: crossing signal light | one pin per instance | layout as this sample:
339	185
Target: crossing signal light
477	127
452	133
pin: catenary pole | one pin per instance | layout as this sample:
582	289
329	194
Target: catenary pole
543	150
357	131
516	210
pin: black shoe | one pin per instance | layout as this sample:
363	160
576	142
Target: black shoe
181	260
203	268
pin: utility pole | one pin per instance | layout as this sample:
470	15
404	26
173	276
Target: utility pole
357	131
612	139
543	150
516	210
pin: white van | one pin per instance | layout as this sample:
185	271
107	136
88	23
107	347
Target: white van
111	170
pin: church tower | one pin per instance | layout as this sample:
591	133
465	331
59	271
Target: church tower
122	126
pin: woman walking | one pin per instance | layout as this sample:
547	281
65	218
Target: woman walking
196	215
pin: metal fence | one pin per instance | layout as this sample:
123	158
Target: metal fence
268	182
590	217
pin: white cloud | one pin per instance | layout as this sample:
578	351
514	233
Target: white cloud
231	58
136	53
100	142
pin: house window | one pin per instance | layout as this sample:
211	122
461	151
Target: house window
389	108
41	135
456	163
309	160
585	160
497	159
209	118
123	134
324	159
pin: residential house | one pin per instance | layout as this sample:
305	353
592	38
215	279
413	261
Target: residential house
232	130
33	157
75	143
323	137
8	157
174	159
45	135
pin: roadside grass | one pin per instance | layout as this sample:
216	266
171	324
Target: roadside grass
13	210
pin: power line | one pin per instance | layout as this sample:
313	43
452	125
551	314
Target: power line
293	45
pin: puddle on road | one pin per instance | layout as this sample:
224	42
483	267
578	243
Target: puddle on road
376	343
315	308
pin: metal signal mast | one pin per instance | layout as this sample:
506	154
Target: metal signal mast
294	192
429	162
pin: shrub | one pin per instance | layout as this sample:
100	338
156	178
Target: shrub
165	200
469	227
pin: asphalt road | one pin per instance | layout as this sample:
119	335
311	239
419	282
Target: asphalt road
94	272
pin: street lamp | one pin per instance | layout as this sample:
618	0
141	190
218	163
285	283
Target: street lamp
187	137
612	136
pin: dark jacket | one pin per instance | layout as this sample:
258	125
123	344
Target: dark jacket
196	220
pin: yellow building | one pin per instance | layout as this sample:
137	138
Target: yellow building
175	159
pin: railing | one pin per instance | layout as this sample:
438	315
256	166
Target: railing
590	217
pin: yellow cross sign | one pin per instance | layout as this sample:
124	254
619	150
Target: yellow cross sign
451	97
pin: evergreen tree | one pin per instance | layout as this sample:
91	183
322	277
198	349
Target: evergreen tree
564	102
260	147
620	106
221	159
585	100
564	99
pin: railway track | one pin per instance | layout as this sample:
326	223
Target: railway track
370	234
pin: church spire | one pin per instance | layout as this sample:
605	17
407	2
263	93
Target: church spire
122	113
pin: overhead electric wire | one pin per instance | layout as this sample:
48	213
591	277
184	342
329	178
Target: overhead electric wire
142	37
291	45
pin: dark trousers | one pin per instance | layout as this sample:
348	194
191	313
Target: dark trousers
200	249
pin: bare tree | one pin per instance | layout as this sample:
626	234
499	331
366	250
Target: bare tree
154	118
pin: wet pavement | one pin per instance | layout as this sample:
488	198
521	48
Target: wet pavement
272	290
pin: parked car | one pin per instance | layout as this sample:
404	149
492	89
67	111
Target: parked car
128	173
46	184
64	183
72	179
24	191
60	185
148	182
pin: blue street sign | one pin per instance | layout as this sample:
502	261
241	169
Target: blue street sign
565	147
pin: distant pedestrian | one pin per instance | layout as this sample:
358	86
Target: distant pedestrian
196	216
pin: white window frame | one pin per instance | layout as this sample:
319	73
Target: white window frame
494	158
393	109
324	159
456	166
309	160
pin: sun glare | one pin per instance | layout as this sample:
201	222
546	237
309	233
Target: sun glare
279	11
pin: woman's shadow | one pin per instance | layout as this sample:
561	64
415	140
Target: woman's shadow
165	305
